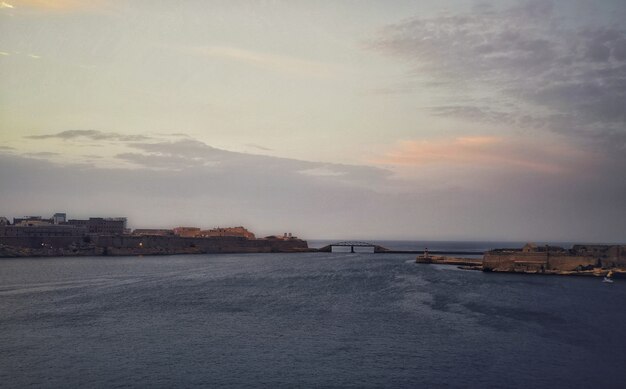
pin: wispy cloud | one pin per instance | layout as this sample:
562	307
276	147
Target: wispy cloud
180	152
90	134
273	62
258	147
42	154
323	171
486	152
189	153
57	5
5	5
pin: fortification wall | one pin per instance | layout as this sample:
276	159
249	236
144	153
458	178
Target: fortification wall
524	261
35	242
507	261
143	245
570	263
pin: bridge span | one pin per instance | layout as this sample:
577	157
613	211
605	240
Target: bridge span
352	245
381	249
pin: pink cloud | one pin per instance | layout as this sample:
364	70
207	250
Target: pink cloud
486	152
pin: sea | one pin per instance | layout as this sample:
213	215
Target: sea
320	320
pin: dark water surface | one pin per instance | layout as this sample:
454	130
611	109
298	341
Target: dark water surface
303	320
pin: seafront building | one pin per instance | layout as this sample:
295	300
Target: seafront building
103	226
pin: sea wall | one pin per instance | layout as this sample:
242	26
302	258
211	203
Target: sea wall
142	245
536	262
35	242
571	263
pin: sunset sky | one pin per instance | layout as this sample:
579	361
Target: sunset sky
501	120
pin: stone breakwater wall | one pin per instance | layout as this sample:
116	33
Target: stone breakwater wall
443	260
114	245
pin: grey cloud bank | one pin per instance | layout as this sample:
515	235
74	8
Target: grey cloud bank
531	68
187	182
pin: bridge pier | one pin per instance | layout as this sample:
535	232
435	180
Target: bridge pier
352	249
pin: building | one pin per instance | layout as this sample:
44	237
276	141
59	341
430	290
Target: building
31	221
4	221
152	232
41	231
228	231
59	218
101	226
187	232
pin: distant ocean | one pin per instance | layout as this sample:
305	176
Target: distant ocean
433	245
304	320
450	246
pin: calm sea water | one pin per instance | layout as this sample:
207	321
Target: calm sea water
303	320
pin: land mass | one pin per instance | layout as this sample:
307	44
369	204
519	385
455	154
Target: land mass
37	237
583	260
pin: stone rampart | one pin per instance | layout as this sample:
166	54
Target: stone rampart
143	245
570	262
536	261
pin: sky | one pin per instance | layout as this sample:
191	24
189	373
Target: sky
419	120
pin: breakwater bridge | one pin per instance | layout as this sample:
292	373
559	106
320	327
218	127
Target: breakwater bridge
352	245
380	249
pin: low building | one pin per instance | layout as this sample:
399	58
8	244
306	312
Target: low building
101	226
41	231
59	218
152	232
187	232
4	221
228	231
31	221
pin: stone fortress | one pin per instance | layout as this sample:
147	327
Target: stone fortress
555	260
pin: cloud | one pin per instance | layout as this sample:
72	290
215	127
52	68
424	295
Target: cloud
488	152
42	154
160	161
258	147
179	152
5	5
278	197
322	172
189	153
468	187
521	66
90	134
274	62
57	5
